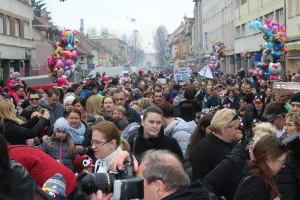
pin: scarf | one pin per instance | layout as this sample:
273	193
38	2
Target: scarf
102	165
77	135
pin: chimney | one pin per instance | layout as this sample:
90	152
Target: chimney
82	26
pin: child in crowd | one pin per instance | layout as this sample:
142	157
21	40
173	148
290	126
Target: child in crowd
60	145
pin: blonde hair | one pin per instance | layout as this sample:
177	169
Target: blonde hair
294	117
223	118
144	103
120	109
7	111
93	105
263	129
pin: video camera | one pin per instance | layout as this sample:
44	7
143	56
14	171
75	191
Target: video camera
123	185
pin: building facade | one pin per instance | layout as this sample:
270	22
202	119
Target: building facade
16	41
246	38
293	33
217	22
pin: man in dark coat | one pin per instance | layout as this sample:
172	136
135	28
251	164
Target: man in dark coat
151	135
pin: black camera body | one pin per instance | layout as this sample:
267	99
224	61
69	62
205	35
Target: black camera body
124	185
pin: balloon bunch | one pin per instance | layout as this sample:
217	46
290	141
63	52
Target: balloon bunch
216	56
61	60
274	48
245	54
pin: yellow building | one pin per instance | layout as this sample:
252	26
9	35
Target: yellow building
293	34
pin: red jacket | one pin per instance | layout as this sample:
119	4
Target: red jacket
41	166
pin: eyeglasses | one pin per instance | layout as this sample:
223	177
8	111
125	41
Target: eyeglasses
98	144
34	99
289	125
282	162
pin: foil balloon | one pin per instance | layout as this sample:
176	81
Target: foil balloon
274	69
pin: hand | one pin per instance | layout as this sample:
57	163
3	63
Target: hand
46	114
45	137
37	114
118	160
252	157
101	196
79	149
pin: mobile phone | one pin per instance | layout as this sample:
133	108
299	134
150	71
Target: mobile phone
43	111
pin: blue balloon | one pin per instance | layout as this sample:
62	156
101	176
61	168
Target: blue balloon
270	45
277	54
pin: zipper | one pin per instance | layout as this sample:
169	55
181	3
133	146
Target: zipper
60	150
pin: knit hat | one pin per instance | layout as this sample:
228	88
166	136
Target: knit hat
82	162
61	124
295	97
56	183
259	98
104	79
71	90
69	99
135	91
15	75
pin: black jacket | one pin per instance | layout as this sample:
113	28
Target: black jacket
132	115
23	185
208	154
195	191
223	180
249	115
233	104
288	179
140	145
17	134
252	187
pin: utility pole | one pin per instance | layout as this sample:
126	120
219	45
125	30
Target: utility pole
135	32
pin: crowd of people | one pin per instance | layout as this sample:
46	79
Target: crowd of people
230	138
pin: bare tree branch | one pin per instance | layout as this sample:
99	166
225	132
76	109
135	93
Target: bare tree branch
159	43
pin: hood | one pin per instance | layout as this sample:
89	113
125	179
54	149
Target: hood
195	191
180	125
178	99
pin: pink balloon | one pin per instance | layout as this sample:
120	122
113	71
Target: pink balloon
60	63
67	61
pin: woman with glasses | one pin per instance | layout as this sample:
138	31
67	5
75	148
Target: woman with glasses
211	150
288	178
258	178
106	141
16	131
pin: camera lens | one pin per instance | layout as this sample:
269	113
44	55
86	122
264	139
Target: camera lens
91	183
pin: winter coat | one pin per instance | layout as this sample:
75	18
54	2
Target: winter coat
11	84
17	134
23	185
140	144
55	113
223	180
188	110
181	131
132	115
41	166
288	179
213	102
60	150
195	191
208	154
28	111
252	187
234	103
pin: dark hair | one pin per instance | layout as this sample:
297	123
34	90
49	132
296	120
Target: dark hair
75	86
156	85
273	110
53	91
18	87
29	89
152	109
74	110
167	109
190	93
199	133
268	148
5	170
80	100
245	99
61	94
128	89
34	92
158	91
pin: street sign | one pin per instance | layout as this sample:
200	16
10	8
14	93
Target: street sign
36	67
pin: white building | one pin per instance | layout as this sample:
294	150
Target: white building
16	42
214	19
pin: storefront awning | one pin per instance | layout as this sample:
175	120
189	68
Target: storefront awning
293	45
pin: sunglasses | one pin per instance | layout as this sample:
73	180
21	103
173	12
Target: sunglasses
34	99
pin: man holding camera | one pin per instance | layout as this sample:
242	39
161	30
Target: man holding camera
163	175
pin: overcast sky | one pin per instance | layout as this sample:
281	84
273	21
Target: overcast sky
149	14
